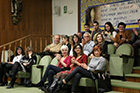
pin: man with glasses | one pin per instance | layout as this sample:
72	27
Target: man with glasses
96	29
87	44
136	40
122	36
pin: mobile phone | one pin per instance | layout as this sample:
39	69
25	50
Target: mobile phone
120	36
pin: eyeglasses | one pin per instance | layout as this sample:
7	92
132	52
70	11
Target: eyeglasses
95	25
77	48
86	36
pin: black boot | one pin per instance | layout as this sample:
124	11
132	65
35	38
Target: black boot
45	89
40	84
60	84
53	85
10	86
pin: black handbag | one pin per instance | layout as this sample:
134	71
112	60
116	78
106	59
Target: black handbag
104	82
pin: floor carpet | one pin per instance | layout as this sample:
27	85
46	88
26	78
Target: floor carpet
20	89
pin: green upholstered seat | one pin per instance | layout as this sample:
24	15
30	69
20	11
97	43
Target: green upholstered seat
85	82
22	74
54	61
119	66
124	49
111	49
37	73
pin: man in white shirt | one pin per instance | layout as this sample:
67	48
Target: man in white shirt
87	44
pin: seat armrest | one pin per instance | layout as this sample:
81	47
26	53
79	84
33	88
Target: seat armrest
126	56
40	66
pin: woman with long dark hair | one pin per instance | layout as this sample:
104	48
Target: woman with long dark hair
109	33
75	41
5	68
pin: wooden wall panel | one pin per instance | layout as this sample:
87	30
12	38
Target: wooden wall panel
36	20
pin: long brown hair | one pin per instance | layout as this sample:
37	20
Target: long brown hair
73	43
95	38
29	48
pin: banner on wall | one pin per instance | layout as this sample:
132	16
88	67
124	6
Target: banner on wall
115	11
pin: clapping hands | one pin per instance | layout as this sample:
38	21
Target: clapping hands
73	60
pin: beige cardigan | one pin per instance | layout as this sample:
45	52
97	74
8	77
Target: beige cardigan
54	47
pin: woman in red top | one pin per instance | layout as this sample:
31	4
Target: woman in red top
77	59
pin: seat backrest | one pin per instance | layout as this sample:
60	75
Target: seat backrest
45	60
54	61
125	49
6	55
111	49
38	59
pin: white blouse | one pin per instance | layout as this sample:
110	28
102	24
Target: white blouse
107	38
17	58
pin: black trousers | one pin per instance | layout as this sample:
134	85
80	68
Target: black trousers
136	46
77	74
16	67
4	68
49	73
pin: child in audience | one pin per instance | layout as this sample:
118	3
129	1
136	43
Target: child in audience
122	36
109	33
8	66
78	59
25	64
97	64
63	63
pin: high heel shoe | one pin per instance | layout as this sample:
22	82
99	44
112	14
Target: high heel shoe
40	84
10	86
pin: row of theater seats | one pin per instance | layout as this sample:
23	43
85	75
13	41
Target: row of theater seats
121	62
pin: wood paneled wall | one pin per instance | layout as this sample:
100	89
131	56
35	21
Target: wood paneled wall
36	20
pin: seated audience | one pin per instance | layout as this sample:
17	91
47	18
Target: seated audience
25	64
95	29
122	36
136	40
63	63
97	64
53	48
78	59
109	33
87	44
5	68
99	40
65	41
75	41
